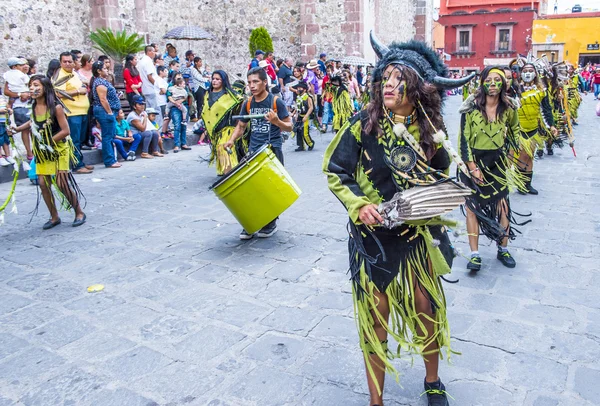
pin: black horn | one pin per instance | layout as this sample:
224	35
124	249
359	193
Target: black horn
448	83
379	48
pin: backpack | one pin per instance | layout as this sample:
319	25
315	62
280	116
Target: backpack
250	102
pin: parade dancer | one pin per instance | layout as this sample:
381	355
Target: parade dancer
342	103
220	103
304	110
271	117
535	111
53	151
488	137
382	150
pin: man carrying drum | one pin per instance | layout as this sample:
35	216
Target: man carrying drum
268	117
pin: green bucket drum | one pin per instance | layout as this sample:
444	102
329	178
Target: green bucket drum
257	190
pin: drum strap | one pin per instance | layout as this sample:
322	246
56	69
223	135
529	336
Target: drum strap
250	103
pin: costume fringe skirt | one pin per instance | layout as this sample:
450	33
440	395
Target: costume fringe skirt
396	262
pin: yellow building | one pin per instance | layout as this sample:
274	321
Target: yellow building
570	37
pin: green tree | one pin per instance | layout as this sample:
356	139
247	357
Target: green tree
260	39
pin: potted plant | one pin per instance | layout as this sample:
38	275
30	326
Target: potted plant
117	45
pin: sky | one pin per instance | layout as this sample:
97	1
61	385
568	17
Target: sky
563	5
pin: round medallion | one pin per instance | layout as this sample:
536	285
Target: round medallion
403	158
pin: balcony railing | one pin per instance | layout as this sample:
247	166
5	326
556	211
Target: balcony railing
458	48
503	47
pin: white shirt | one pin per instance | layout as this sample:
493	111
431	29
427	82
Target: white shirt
18	82
146	67
160	83
134	116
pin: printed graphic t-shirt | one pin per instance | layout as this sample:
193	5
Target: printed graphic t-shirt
259	127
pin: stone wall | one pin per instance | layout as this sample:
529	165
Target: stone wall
42	29
299	28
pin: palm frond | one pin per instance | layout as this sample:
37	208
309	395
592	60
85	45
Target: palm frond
116	44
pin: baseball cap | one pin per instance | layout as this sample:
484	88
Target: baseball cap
322	55
150	110
139	100
258	52
14	61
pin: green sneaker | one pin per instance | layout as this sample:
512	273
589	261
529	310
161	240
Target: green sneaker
506	259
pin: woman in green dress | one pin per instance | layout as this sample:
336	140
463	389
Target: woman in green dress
220	103
489	136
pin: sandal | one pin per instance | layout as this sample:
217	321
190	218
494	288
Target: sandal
185	148
115	165
146	155
176	149
157	154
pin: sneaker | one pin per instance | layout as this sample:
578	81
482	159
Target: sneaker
311	148
506	259
10	160
299	149
246	236
268	230
531	190
436	393
3	161
474	263
540	153
550	151
26	166
131	156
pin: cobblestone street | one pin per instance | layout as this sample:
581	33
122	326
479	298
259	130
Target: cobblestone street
191	315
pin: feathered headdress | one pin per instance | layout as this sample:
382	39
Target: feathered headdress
418	57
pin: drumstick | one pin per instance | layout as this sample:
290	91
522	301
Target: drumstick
248	117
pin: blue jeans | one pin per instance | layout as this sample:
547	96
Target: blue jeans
179	129
120	145
327	113
596	90
78	126
108	125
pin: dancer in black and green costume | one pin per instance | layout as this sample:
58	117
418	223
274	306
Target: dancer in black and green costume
304	109
396	271
220	103
488	137
535	111
341	104
574	86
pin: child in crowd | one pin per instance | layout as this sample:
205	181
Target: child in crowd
124	135
97	133
152	118
17	85
6	158
178	94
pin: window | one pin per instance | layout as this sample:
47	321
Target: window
503	39
464	41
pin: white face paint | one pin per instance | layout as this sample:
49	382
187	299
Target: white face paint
528	77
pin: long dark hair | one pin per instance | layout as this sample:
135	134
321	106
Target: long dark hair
129	65
480	96
49	96
96	68
416	90
53	66
224	80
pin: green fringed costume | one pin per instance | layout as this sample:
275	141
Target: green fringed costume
574	96
216	114
490	145
342	107
392	261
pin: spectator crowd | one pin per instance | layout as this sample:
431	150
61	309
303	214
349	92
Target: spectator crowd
160	93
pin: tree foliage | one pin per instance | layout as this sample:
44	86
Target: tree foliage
117	44
260	39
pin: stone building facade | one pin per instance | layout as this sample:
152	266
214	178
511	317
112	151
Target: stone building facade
299	28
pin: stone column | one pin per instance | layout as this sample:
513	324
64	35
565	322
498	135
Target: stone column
420	22
141	19
105	14
308	49
353	28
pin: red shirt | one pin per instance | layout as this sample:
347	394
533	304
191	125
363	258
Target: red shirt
596	78
130	80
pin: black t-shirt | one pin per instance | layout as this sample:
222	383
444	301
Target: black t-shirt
285	73
259	128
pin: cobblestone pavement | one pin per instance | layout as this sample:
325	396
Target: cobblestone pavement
191	315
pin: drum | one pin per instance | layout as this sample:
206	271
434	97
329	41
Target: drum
257	190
